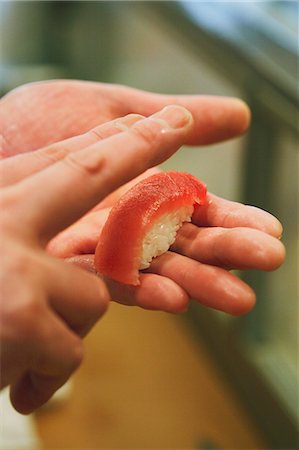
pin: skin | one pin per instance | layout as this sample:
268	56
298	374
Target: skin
69	150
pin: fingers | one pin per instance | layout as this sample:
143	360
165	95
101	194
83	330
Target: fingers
78	297
22	165
54	354
75	300
154	292
219	212
85	262
172	279
63	108
216	118
32	391
39	114
211	286
231	248
85	177
81	237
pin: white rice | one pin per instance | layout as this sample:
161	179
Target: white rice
163	233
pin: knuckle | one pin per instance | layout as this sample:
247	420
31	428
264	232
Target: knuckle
52	154
56	362
12	212
76	354
101	303
87	164
21	302
148	132
19	272
95	307
23	267
97	133
22	320
76	163
29	314
10	199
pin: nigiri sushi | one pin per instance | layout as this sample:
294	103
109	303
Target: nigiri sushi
144	222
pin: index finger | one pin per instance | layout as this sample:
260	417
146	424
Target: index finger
62	193
20	166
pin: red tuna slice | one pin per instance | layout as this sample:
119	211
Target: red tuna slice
131	222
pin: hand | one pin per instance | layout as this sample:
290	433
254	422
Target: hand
172	291
225	235
39	114
47	305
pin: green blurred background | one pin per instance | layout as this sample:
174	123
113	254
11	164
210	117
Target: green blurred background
244	49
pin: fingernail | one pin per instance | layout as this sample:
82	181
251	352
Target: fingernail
173	116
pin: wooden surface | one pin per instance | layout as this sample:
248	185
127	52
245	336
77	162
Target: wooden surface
147	384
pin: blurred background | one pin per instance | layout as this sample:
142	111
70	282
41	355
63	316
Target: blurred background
202	380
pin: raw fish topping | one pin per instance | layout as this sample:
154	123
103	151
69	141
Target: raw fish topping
143	223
